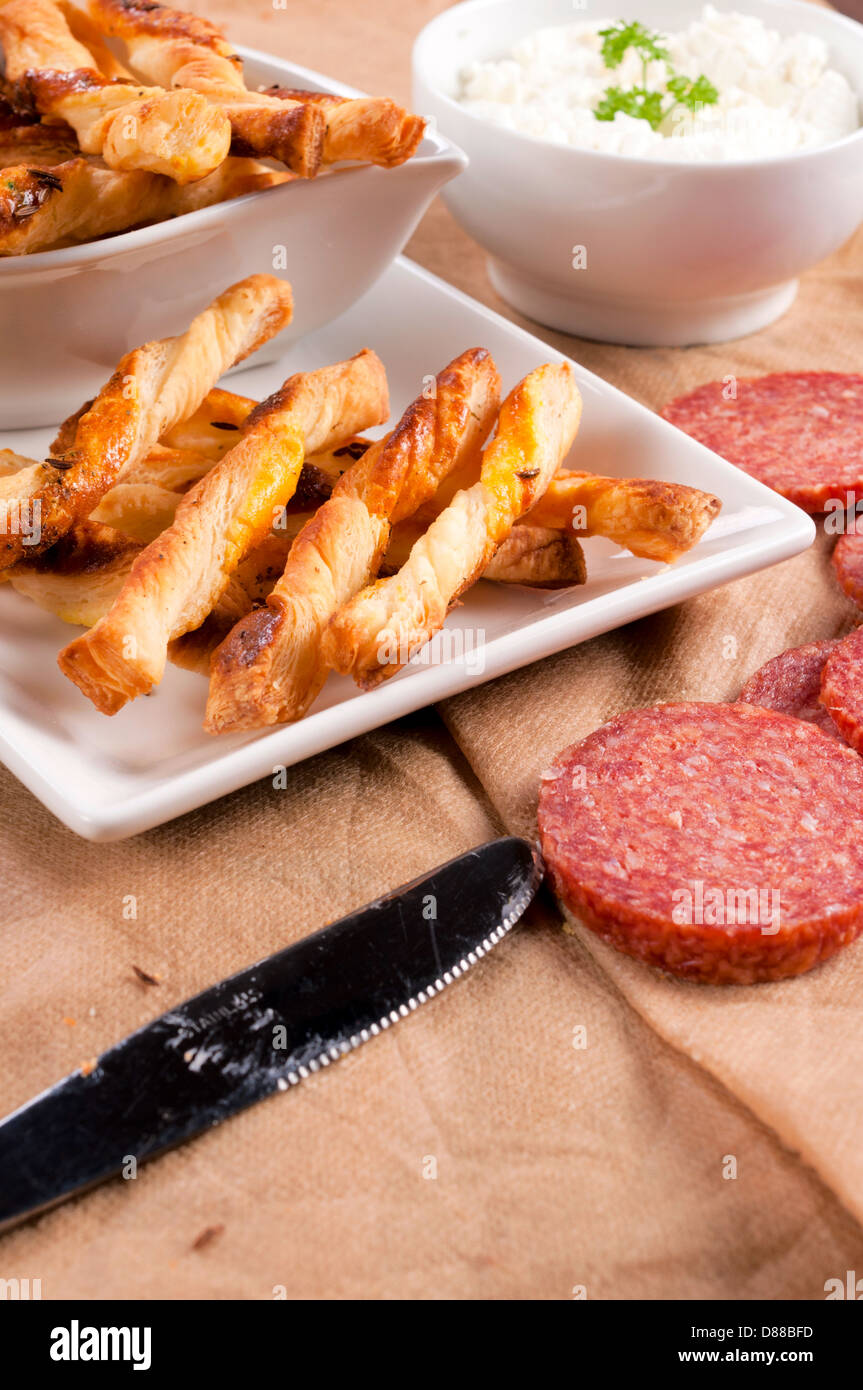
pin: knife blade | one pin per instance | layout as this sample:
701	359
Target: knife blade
264	1029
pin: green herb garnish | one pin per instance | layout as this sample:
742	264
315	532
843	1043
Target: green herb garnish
619	38
632	101
639	101
692	92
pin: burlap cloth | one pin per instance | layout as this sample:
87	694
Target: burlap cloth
604	1166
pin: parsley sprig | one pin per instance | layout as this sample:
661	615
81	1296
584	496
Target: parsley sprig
639	101
619	38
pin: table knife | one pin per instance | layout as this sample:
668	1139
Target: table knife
264	1029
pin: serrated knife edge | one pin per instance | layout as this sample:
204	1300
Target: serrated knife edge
212	1055
515	910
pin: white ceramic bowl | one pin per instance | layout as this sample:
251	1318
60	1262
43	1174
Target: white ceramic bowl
677	253
67	316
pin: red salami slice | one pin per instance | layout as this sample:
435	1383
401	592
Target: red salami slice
848	562
842	688
791	684
723	843
801	433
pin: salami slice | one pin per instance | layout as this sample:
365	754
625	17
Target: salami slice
842	688
801	433
791	684
848	562
723	843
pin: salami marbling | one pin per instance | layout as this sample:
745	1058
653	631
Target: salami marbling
801	433
842	688
848	562
723	843
791	684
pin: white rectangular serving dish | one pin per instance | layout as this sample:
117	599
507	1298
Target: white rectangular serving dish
67	316
109	778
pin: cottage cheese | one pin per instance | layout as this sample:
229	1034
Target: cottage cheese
776	94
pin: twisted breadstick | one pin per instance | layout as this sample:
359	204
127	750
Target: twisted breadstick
89	34
178	579
373	129
34	145
140	510
272	667
538	556
75	201
10	464
375	634
655	520
213	428
163	42
81	576
178	134
153	388
146	503
178	50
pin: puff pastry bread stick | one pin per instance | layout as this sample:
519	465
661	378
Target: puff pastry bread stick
210	430
376	633
272	666
373	129
539	556
145	503
152	389
10	464
35	145
81	576
290	132
177	468
655	520
163	42
177	580
141	510
184	51
178	134
214	427
75	201
83	29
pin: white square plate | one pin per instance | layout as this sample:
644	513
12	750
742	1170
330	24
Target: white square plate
109	778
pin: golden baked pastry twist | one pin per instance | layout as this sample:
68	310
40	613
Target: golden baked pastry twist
184	51
177	580
374	634
42	208
153	388
653	519
90	35
373	129
179	134
35	145
539	556
272	666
